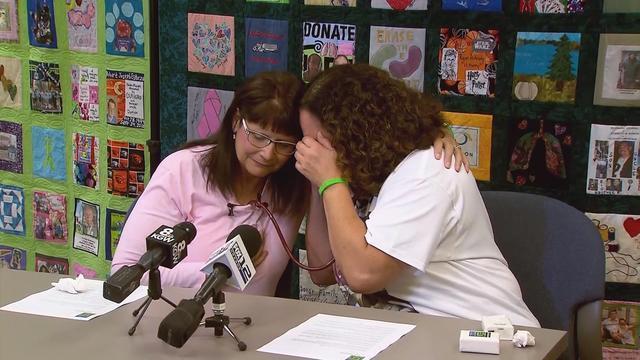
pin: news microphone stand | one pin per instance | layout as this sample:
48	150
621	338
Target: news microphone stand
154	292
219	321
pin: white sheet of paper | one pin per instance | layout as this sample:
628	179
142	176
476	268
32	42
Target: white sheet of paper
82	306
337	337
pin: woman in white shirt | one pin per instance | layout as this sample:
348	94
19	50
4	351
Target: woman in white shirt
425	242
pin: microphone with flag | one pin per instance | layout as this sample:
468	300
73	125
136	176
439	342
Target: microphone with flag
243	243
230	265
166	247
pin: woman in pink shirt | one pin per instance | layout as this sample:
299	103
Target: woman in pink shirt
210	183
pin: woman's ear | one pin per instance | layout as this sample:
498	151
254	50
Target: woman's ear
236	121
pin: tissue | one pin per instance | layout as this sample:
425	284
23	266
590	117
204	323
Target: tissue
72	286
523	338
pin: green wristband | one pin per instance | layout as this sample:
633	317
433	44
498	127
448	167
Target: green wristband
329	182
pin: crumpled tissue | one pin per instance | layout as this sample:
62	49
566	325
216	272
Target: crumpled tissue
523	338
72	286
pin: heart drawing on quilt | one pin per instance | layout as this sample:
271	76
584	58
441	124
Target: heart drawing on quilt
399	4
632	226
211	46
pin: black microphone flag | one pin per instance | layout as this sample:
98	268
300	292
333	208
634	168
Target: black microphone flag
166	247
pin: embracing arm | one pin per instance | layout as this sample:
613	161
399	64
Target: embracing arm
451	150
365	268
317	241
333	217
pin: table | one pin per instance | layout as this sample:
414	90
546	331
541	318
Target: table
24	336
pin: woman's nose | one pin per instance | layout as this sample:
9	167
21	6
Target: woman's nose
269	151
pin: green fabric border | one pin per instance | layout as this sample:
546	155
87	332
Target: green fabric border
65	58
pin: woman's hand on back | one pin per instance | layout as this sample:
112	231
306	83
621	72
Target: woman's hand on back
451	150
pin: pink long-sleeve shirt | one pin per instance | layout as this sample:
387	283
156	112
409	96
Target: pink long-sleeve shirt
178	192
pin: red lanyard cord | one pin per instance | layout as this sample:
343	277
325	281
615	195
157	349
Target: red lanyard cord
264	207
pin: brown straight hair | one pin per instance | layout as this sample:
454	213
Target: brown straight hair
271	100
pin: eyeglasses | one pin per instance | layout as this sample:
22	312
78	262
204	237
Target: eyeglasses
261	141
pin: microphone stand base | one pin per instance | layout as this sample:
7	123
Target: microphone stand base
139	312
220	322
154	292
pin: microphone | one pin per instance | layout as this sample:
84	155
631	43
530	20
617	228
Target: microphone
234	258
166	247
231	264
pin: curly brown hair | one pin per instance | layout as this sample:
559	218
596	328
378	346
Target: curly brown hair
373	120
